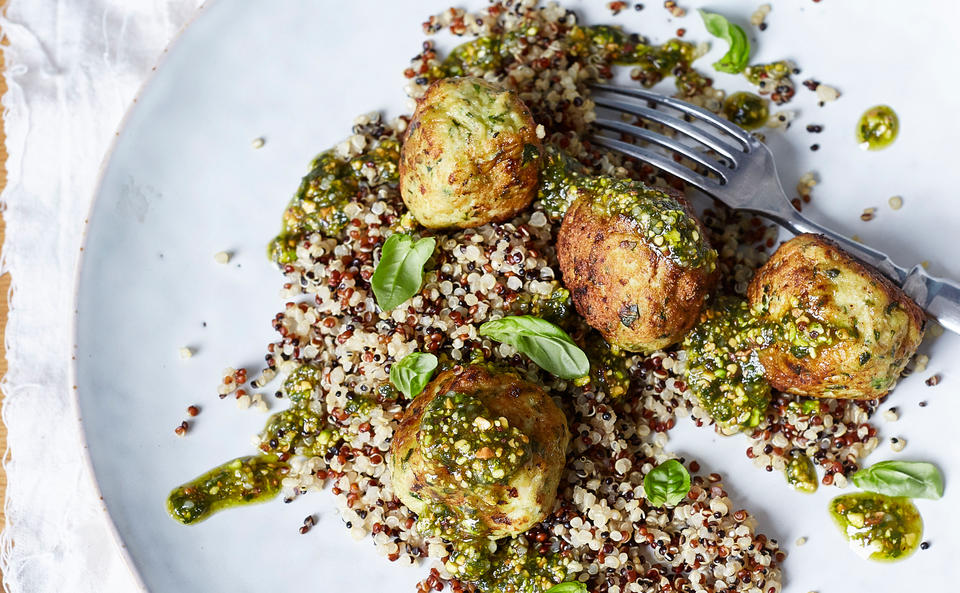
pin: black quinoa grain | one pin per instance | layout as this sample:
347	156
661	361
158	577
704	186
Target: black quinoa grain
814	147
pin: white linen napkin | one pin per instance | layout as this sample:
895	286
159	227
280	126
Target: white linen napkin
73	67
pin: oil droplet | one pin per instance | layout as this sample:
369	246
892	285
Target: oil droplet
747	110
877	128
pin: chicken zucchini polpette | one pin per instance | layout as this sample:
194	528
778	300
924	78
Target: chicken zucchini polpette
493	325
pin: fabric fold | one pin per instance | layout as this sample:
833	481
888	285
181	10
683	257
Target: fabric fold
73	68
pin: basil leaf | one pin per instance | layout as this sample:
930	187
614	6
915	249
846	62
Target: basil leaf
735	60
399	273
546	344
666	484
568	587
411	373
913	479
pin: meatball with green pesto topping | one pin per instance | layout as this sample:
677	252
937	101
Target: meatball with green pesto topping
478	454
471	155
840	329
636	261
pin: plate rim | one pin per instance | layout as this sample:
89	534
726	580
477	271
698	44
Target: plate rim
115	537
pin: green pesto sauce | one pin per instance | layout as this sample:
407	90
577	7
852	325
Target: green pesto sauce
772	71
555	307
807	335
656	216
505	567
241	481
747	110
557	171
609	367
302	382
471	557
482	53
722	366
652	63
801	473
459	432
599	44
877	128
318	205
773	79
878	527
302	428
800	331
516	568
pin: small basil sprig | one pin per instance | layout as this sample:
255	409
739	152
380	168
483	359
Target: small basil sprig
545	343
735	60
568	587
913	479
667	483
399	273
411	373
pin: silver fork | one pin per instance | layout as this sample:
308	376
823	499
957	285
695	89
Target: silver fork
746	178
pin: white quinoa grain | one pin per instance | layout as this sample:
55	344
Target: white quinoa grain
826	94
759	15
185	353
222	257
897	444
258	142
896	202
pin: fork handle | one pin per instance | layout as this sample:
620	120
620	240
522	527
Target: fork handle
939	297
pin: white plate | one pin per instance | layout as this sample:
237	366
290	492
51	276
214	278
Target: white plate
183	183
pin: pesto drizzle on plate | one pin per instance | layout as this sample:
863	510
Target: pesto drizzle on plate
878	527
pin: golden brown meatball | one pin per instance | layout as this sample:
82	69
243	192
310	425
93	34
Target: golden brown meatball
840	328
479	454
470	155
636	261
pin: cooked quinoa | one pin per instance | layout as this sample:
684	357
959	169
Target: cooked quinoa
601	529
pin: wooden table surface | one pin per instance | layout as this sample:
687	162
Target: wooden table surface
4	290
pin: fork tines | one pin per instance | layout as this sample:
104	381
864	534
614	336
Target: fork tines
706	141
